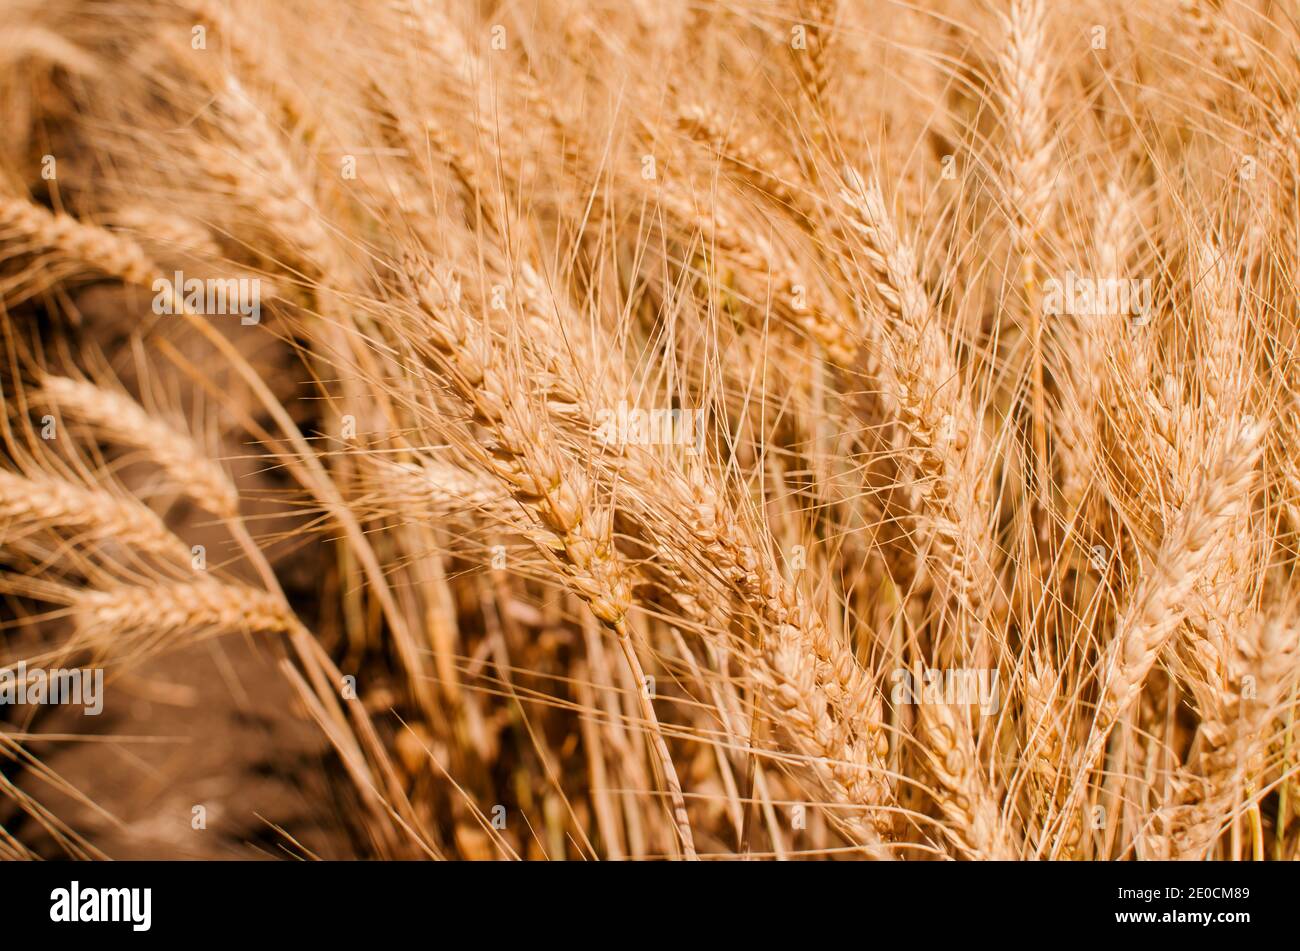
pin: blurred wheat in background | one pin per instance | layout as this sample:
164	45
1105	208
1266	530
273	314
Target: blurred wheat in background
649	429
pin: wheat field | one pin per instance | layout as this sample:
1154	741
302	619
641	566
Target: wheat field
649	429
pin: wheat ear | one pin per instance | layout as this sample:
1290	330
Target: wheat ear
116	418
945	452
556	495
138	620
1161	600
964	795
26	226
97	515
1237	726
1023	92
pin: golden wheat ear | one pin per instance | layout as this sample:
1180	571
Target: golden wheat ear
135	621
88	515
114	417
60	246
